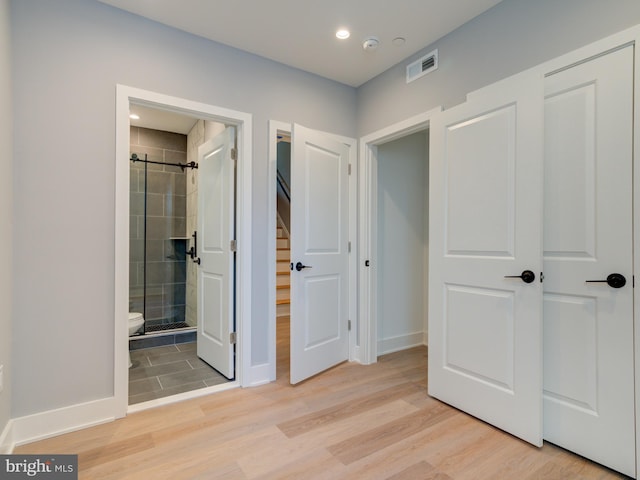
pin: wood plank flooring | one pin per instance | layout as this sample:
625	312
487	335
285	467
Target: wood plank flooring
352	422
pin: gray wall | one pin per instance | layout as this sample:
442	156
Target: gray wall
403	190
68	57
511	37
6	202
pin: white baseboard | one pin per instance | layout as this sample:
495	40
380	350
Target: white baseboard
401	342
7	444
39	426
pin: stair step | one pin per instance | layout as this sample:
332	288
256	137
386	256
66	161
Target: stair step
283	254
283	310
282	242
282	266
283	301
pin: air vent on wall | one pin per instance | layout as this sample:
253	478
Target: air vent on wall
422	66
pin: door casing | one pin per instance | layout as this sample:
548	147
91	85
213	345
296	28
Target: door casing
125	96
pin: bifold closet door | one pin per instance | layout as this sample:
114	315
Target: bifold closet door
485	256
588	326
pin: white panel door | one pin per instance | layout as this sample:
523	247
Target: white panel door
216	230
485	329
319	253
588	327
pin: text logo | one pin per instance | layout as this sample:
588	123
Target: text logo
50	467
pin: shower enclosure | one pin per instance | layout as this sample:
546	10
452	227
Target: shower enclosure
158	229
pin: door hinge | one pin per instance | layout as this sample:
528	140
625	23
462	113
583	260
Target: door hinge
349	248
232	338
234	154
233	245
349	169
349	325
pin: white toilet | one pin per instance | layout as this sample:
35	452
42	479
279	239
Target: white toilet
136	320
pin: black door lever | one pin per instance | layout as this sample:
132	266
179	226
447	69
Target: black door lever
527	276
615	280
300	266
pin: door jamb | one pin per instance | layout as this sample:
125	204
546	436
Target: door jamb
125	96
352	143
368	227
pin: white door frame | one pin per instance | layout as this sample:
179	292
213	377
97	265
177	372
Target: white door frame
368	182
125	96
274	127
367	352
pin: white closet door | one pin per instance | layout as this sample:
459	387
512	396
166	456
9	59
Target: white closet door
588	327
485	330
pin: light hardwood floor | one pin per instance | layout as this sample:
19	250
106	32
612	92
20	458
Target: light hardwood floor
352	422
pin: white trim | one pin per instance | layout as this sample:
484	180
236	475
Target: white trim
368	175
401	342
243	121
51	423
7	442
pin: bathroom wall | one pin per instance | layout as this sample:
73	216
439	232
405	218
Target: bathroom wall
201	132
166	227
6	218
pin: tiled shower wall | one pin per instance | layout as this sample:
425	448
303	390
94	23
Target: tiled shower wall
166	226
201	132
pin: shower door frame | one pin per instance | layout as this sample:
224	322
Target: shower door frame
126	96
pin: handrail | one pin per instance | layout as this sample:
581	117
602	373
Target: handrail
283	184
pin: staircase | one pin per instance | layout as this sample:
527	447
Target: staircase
283	258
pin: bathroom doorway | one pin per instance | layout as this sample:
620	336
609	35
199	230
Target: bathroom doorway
167	248
164	256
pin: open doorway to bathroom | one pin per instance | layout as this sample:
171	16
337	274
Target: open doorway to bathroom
164	255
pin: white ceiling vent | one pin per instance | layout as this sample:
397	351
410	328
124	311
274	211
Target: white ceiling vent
422	66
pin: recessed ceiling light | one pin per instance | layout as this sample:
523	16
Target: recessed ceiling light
343	34
399	41
133	116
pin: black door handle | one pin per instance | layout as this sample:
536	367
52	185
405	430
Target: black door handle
615	280
527	276
300	266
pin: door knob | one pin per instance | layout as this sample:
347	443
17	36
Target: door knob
615	280
527	276
300	266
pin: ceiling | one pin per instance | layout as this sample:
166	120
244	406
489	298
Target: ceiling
301	33
164	120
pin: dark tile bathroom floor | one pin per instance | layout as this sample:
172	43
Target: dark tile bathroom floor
162	371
